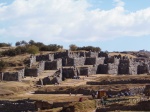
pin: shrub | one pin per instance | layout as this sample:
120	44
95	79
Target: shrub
5	44
32	49
90	48
73	47
3	65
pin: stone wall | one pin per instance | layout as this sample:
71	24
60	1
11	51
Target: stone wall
31	72
56	78
129	81
75	61
69	72
41	66
91	54
112	68
1	76
133	67
53	65
32	60
17	106
12	76
102	69
123	67
103	54
142	69
94	61
47	57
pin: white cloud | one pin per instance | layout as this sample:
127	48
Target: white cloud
119	3
69	20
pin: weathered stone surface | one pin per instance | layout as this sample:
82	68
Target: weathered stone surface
17	106
15	76
102	69
53	65
75	61
47	57
1	76
112	68
91	54
94	61
69	72
31	72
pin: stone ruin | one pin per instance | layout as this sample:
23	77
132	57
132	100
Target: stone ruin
56	78
28	105
12	76
82	63
17	106
53	65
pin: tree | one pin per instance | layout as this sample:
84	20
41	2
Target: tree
23	42
5	44
18	43
73	47
31	42
32	49
90	48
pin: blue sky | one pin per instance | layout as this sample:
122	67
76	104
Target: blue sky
113	25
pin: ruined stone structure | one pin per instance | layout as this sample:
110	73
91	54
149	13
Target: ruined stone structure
56	78
31	72
35	71
69	72
75	61
83	63
86	71
53	65
12	76
94	61
47	57
17	106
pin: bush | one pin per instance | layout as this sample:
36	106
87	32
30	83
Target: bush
14	52
73	47
33	49
3	65
90	48
5	45
51	47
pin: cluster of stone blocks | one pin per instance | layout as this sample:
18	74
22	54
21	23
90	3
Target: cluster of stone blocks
56	78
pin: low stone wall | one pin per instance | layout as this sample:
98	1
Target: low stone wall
130	81
17	106
14	76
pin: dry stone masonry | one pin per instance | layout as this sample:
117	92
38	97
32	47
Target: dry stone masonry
74	64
